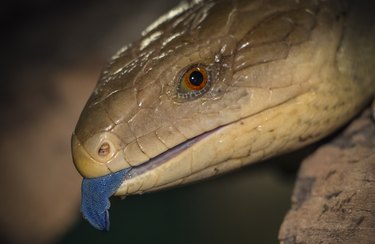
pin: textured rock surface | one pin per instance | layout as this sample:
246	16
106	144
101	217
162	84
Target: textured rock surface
334	198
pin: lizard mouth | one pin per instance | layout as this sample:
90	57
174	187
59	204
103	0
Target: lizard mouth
171	166
166	156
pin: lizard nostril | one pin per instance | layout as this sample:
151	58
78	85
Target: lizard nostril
104	149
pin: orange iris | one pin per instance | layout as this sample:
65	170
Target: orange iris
195	78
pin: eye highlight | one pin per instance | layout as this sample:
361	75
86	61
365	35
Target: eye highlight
193	82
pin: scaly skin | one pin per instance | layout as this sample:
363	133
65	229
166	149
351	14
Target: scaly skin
283	74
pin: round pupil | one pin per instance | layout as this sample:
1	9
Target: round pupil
196	78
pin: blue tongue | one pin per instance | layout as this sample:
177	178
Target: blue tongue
95	198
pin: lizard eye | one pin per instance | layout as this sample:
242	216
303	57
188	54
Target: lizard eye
194	82
195	78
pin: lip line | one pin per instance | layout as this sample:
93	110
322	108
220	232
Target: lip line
167	155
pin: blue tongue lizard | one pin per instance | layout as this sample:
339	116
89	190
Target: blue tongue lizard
95	198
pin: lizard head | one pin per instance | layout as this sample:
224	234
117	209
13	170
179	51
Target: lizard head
195	96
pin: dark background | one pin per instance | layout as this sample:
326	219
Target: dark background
51	55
